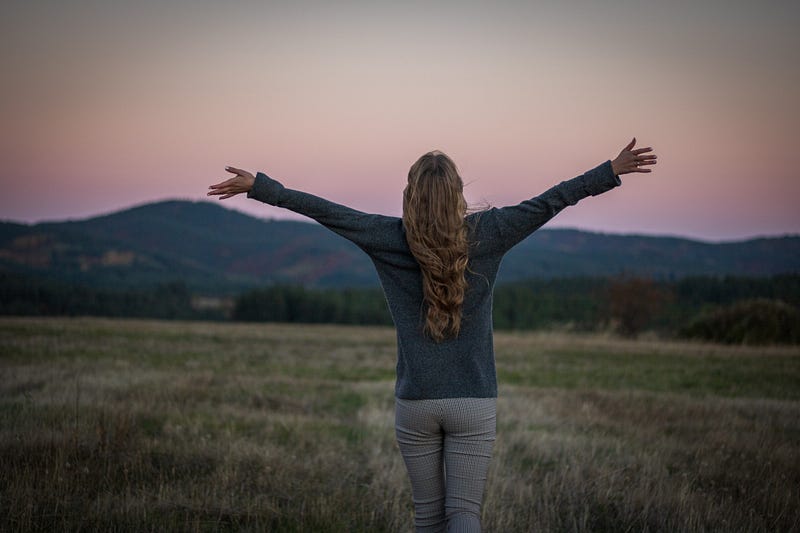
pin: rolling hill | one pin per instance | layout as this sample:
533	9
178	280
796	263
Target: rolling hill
218	250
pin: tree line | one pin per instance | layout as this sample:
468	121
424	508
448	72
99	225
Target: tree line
714	308
26	296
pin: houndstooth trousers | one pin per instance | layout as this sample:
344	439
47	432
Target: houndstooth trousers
447	446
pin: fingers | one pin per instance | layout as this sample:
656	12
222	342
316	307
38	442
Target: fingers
230	187
637	160
221	184
627	163
228	182
640	164
647	160
223	193
225	187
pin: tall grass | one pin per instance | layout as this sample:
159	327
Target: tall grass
144	425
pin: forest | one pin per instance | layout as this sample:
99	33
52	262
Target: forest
755	310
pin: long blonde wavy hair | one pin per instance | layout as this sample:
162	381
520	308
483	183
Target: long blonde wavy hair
433	216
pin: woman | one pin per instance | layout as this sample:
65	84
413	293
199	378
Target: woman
437	266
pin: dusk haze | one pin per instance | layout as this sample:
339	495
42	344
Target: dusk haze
109	105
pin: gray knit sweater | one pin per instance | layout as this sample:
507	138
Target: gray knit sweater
463	366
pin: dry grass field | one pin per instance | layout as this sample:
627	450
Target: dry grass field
123	425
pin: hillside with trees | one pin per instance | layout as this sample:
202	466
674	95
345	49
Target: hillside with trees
218	251
198	260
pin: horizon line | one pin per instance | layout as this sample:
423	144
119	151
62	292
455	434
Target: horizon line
296	217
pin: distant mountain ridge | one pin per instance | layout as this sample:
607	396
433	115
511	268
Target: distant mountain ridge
220	250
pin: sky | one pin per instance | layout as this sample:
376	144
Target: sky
109	104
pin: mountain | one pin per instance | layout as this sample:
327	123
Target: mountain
218	250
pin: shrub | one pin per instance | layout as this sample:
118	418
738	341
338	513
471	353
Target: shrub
634	302
759	321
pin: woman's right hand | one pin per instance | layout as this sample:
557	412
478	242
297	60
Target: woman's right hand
630	160
242	182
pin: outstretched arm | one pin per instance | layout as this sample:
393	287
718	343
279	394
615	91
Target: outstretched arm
504	227
367	231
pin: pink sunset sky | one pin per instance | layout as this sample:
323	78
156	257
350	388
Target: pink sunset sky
106	105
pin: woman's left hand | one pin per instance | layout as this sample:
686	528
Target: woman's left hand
241	183
630	160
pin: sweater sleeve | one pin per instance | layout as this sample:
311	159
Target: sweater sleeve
502	228
362	229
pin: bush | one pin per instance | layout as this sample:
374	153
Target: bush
634	303
759	321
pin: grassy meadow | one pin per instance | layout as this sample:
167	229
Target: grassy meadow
126	425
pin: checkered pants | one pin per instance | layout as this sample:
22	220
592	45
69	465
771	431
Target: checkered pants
446	445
